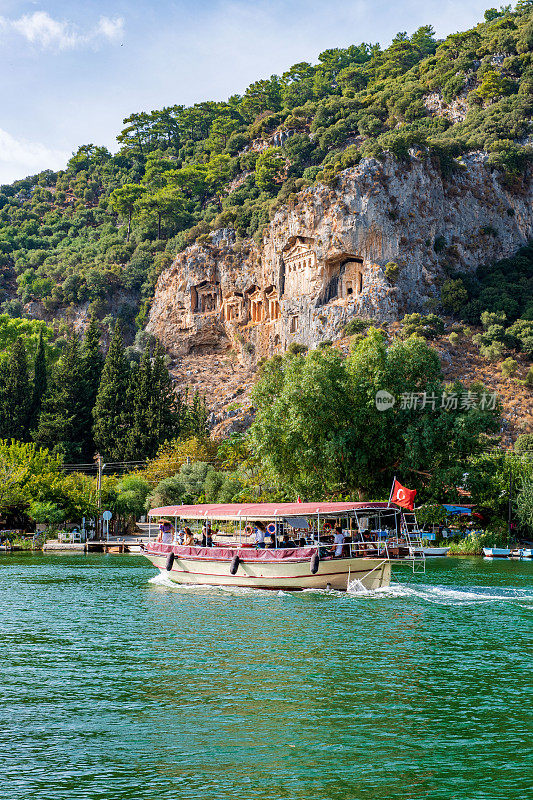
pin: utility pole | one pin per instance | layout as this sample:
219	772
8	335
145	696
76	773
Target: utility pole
510	515
98	459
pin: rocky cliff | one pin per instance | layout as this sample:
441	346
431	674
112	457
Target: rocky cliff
323	257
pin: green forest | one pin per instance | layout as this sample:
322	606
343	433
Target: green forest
101	231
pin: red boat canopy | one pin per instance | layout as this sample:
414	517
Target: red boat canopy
264	511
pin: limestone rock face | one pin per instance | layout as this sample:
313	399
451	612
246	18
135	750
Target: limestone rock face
323	257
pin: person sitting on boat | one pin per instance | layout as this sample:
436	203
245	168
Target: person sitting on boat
338	540
189	538
287	542
180	536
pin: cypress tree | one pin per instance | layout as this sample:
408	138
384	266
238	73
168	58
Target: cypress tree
16	394
142	434
40	383
198	414
63	423
92	364
164	417
111	415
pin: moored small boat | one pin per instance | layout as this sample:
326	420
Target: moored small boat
435	551
496	552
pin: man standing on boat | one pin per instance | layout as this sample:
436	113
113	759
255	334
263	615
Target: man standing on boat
338	541
259	536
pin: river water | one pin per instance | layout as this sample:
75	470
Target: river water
116	686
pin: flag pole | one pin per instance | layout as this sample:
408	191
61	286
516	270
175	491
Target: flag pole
392	489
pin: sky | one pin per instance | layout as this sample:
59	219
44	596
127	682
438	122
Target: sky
71	71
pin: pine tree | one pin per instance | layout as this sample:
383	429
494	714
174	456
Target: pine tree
40	383
111	415
63	423
16	394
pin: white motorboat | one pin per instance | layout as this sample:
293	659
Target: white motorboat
314	560
496	552
435	551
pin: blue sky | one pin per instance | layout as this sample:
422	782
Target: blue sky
72	71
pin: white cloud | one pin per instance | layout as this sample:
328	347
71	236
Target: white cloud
19	158
44	31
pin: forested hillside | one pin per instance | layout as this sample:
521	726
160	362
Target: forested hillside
101	231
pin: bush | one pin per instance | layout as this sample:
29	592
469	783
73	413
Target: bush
297	349
524	443
357	326
509	367
392	270
529	378
454	339
473	543
492	352
453	295
428	326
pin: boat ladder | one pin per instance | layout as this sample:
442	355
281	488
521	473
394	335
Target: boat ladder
413	536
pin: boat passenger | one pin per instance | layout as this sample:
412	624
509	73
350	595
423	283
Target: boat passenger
180	536
207	539
259	536
189	538
338	540
165	532
286	542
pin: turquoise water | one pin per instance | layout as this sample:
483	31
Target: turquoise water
116	686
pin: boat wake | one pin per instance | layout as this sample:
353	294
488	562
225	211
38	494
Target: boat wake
437	595
457	596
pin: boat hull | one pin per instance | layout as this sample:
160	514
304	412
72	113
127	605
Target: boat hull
496	552
287	574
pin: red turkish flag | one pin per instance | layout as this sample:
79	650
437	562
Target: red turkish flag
299	499
403	497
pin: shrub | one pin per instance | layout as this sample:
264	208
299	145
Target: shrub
357	326
492	352
392	270
453	295
529	378
524	443
297	349
454	338
428	326
509	367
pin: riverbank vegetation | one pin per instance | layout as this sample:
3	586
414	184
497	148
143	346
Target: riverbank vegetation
317	434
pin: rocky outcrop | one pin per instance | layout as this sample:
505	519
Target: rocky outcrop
323	257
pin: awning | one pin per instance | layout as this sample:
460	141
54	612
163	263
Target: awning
300	523
457	509
266	511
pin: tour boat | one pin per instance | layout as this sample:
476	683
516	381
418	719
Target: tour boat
316	562
496	552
